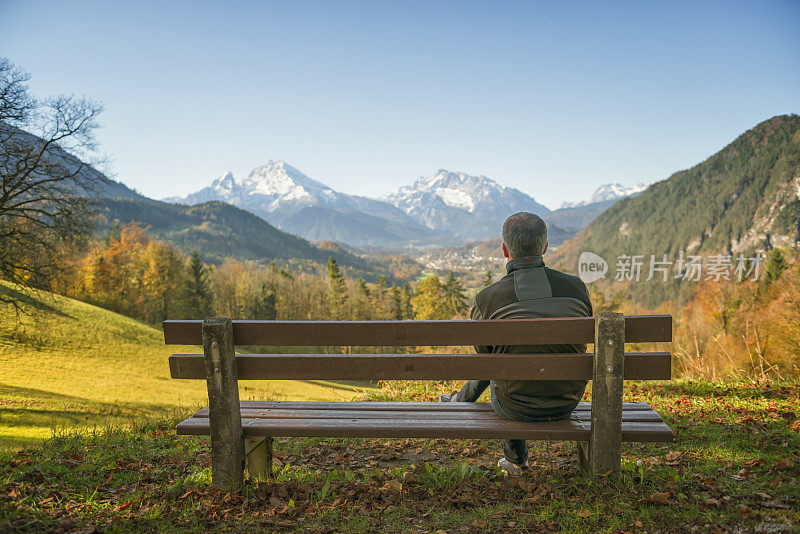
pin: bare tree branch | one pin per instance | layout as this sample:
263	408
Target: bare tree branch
47	148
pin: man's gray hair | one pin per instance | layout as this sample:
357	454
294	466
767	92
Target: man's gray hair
524	234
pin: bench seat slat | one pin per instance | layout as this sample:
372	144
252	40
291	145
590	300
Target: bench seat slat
431	428
400	415
395	406
638	329
638	366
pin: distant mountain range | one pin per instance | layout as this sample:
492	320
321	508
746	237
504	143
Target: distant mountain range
745	198
215	229
574	216
295	203
742	200
443	209
447	208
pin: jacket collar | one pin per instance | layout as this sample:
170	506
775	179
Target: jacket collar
525	262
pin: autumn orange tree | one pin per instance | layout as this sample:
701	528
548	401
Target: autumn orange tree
749	328
133	275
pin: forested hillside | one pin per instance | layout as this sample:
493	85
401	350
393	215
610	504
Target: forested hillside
219	231
742	200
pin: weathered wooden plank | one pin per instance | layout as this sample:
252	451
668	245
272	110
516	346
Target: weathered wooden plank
225	423
639	328
389	428
605	442
411	406
638	366
401	415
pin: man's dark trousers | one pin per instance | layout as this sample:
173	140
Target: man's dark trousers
514	450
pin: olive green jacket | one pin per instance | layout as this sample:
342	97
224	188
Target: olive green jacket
531	290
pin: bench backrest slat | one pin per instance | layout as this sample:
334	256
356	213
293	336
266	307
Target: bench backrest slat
638	329
638	366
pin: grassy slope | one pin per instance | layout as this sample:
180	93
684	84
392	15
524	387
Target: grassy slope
79	365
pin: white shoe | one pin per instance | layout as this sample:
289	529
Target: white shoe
511	468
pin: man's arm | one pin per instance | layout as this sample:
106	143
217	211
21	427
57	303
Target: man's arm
588	300
475	313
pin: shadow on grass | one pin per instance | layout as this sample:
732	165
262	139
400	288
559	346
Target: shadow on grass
29	299
30	415
17	441
19	394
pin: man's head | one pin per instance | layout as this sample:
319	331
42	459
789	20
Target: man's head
524	234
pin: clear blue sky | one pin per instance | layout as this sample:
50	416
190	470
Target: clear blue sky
552	98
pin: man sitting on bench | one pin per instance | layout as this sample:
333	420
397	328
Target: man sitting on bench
529	290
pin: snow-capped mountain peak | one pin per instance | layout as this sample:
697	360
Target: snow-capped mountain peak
454	189
606	192
285	197
267	188
225	183
456	198
446	201
616	190
277	178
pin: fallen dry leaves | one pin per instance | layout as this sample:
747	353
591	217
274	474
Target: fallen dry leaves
657	498
379	487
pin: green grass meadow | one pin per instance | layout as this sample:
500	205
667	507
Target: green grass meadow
71	365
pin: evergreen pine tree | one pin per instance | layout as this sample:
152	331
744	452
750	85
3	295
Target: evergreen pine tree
398	312
362	286
337	290
382	285
197	292
264	305
488	279
406	307
776	264
454	296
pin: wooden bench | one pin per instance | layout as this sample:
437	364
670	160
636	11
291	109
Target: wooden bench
242	430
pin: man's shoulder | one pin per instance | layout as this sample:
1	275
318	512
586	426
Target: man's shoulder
554	274
497	293
566	285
